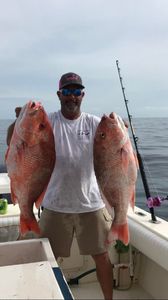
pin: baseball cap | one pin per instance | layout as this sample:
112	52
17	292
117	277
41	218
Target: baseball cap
70	78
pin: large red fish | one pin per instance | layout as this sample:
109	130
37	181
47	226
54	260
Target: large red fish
30	160
116	171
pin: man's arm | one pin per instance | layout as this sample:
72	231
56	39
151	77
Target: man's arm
9	133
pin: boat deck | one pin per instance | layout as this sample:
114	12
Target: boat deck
93	291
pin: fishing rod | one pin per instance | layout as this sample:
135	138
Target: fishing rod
151	202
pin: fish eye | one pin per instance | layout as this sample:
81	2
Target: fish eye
102	134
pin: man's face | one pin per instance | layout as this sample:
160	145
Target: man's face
17	111
70	98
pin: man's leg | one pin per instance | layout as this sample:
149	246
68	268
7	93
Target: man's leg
58	228
104	274
91	232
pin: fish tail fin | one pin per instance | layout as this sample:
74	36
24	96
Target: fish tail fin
29	225
119	232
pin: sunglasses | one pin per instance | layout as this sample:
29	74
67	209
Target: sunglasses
68	92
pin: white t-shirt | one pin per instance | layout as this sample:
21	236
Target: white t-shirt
73	187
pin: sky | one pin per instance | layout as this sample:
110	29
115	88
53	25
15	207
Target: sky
42	39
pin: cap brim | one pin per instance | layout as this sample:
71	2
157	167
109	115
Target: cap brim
75	83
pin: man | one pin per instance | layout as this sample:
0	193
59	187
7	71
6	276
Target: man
11	127
72	202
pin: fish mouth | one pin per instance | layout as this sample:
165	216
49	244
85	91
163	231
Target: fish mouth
112	120
105	117
112	115
34	107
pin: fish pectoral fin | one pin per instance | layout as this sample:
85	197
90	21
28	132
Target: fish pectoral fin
6	154
136	160
13	196
119	232
124	159
29	225
132	200
40	199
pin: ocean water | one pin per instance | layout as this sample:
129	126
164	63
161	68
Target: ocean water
3	147
152	143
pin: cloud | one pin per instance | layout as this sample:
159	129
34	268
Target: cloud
40	40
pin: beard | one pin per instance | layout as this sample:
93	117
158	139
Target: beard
71	106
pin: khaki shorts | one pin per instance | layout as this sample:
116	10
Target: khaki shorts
90	229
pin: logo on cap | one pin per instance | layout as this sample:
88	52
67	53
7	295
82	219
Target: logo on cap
70	78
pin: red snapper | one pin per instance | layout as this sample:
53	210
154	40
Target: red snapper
30	160
115	165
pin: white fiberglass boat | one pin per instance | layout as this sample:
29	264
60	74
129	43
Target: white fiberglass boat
140	270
